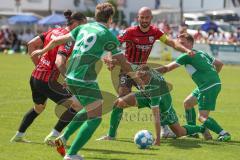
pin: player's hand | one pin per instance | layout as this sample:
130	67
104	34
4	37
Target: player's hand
191	53
37	52
111	63
157	142
64	85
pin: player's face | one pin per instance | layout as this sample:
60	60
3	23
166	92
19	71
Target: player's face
143	75
183	41
144	19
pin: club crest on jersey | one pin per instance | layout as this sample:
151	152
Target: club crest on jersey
151	39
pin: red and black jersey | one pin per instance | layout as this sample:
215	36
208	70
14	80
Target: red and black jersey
46	66
139	44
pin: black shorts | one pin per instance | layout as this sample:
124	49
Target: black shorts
41	91
126	81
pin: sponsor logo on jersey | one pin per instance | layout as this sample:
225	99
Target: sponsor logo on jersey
46	62
110	46
144	47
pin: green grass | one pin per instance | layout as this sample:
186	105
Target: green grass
15	100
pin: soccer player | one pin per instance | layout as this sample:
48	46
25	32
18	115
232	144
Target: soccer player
157	97
92	41
139	41
204	70
44	77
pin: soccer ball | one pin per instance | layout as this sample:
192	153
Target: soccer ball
143	139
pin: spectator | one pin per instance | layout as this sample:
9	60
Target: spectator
134	22
238	34
26	37
198	36
232	38
114	29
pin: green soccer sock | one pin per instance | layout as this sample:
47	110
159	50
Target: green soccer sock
115	121
211	124
77	121
85	133
190	116
192	129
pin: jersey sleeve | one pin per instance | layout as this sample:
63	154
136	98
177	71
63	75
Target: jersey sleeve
112	45
75	32
161	36
44	34
183	59
123	36
210	58
66	49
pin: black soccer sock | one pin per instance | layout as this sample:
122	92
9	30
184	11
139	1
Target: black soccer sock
65	119
27	120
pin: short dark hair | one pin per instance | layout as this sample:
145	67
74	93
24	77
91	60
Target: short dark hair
78	16
187	36
104	11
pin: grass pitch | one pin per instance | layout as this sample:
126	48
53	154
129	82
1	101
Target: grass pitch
15	100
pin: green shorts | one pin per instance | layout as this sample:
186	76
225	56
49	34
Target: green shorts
207	98
168	114
85	92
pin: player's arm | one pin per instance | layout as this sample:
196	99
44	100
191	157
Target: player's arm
157	124
53	43
218	65
176	45
167	68
34	44
120	60
60	63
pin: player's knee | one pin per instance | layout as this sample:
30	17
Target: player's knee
77	107
120	103
202	118
39	108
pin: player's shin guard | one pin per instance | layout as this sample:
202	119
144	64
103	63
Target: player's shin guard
192	129
115	121
190	116
85	133
76	122
28	120
65	119
211	124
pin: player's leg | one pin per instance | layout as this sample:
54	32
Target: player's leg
207	102
88	119
189	103
72	106
186	129
40	102
170	118
124	88
190	113
93	113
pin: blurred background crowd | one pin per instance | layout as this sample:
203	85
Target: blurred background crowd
218	25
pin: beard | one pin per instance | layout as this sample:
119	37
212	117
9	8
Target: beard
145	24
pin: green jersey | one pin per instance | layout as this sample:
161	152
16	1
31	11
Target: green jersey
92	41
200	67
157	91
